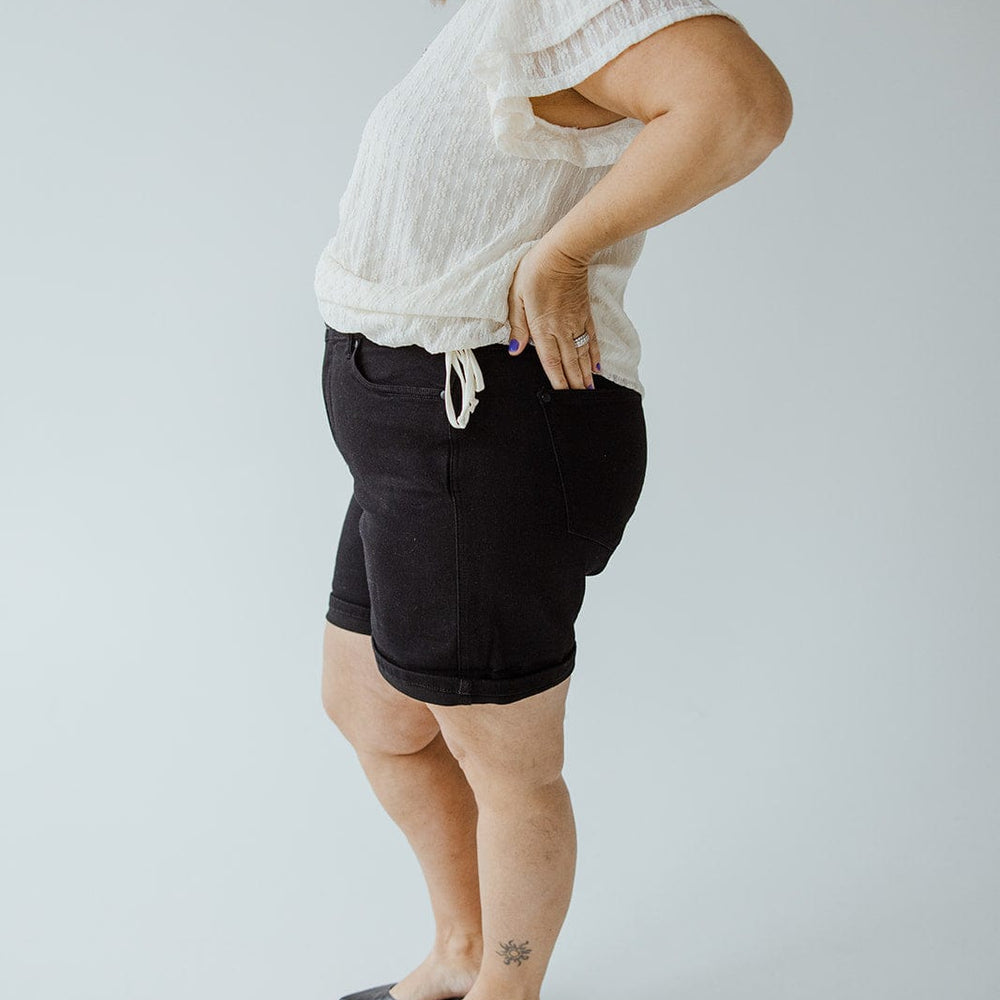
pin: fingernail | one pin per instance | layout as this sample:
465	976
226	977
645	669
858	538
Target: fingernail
591	386
598	366
513	346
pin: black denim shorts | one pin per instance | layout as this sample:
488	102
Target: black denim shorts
463	552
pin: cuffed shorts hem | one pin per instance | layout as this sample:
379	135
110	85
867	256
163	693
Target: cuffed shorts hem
438	690
353	617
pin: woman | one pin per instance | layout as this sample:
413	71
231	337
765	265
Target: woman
498	203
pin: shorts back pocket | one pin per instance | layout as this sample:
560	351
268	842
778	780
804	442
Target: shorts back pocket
598	439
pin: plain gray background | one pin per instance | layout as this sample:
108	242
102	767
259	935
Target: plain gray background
782	730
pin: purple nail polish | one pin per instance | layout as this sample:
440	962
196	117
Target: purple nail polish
591	386
598	366
513	345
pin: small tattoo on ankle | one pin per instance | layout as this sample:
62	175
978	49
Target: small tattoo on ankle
512	952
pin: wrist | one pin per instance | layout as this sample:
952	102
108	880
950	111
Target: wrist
561	246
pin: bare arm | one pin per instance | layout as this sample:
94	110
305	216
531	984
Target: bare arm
714	107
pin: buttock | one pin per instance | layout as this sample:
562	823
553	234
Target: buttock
464	551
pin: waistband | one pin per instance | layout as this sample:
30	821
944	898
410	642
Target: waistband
468	364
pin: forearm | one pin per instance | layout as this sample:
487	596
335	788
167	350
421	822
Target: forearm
677	160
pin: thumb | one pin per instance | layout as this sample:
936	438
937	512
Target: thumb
519	332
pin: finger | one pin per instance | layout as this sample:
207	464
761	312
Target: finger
547	348
518	321
593	346
573	364
583	354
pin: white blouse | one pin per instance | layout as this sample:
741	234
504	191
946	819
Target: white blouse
456	179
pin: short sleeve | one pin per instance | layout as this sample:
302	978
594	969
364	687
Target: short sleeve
534	47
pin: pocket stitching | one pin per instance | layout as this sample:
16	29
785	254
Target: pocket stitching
612	390
559	471
420	391
325	381
544	396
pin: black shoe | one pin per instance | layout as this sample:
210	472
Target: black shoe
372	993
378	993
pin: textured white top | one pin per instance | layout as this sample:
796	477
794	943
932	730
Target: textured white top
456	179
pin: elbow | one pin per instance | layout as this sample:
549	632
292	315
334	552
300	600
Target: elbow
755	103
749	125
772	116
766	105
754	120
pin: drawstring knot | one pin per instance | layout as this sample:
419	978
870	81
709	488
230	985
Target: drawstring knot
470	376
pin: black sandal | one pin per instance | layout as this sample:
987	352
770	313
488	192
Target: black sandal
379	993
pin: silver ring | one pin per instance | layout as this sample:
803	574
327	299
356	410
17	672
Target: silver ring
581	340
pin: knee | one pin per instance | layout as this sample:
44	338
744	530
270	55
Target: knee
373	727
336	698
335	692
495	768
372	716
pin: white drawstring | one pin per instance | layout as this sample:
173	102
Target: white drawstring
470	375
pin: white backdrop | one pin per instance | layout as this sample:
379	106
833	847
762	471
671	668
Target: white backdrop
790	792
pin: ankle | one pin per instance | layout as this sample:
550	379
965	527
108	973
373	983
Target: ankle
458	948
483	989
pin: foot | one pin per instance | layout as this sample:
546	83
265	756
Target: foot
438	978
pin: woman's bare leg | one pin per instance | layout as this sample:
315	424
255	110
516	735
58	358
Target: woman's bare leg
512	756
422	787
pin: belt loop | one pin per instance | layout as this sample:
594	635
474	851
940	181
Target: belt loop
353	339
